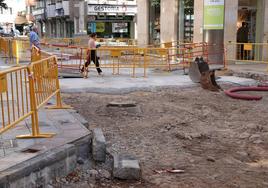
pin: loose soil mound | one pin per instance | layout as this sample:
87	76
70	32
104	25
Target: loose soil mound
216	140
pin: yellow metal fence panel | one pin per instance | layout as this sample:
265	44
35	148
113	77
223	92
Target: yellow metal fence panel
25	89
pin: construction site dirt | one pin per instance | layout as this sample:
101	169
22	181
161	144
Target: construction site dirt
186	137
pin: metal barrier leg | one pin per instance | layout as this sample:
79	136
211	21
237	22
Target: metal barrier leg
59	104
34	116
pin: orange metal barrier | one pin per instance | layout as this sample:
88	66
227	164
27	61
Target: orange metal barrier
83	41
121	58
15	50
73	57
25	89
5	46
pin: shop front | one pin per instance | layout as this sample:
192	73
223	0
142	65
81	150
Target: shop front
112	21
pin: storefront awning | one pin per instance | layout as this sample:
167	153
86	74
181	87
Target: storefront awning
21	20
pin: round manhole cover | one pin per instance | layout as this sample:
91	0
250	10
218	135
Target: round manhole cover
122	104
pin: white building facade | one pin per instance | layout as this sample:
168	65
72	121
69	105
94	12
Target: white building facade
8	16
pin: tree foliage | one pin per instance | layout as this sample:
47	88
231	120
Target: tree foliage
3	4
155	3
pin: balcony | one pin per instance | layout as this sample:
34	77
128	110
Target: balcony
51	11
38	11
66	8
59	5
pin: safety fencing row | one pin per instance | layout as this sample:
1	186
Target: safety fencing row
168	55
247	53
83	41
25	89
116	58
15	50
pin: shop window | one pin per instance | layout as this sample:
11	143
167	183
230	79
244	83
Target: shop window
154	22
186	21
109	29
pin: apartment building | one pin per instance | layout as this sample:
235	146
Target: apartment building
67	18
53	18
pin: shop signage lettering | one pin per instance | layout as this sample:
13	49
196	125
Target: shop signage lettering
111	9
213	14
106	8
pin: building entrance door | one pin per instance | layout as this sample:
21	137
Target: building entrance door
250	14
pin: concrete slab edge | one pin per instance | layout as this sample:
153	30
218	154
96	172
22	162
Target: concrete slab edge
125	90
41	169
253	75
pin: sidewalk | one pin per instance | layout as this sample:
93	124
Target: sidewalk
124	83
24	161
256	71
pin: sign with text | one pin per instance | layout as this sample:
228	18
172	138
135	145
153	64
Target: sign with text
213	14
120	27
92	9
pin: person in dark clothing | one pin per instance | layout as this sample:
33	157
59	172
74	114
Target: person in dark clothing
242	37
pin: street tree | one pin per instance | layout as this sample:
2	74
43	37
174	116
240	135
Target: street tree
3	4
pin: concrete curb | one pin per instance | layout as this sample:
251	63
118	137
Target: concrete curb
40	170
252	75
98	145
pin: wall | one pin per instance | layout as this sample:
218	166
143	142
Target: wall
198	20
143	22
169	21
230	27
265	30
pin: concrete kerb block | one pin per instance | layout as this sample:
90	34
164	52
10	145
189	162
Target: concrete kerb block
57	162
126	167
79	118
98	145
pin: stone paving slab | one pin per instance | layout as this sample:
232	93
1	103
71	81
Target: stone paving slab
124	83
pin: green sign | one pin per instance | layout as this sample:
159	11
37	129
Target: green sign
100	27
213	14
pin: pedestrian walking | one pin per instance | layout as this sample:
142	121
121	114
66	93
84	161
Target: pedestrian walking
92	55
34	38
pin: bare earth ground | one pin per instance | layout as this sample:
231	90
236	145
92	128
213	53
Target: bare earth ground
217	141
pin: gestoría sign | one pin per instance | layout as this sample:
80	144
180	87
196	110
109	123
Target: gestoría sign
92	9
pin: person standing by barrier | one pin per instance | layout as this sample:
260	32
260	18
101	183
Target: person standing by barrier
242	37
34	38
92	55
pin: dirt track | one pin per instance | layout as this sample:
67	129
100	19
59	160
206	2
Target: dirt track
216	140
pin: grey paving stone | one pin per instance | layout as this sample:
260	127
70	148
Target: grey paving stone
126	167
98	145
